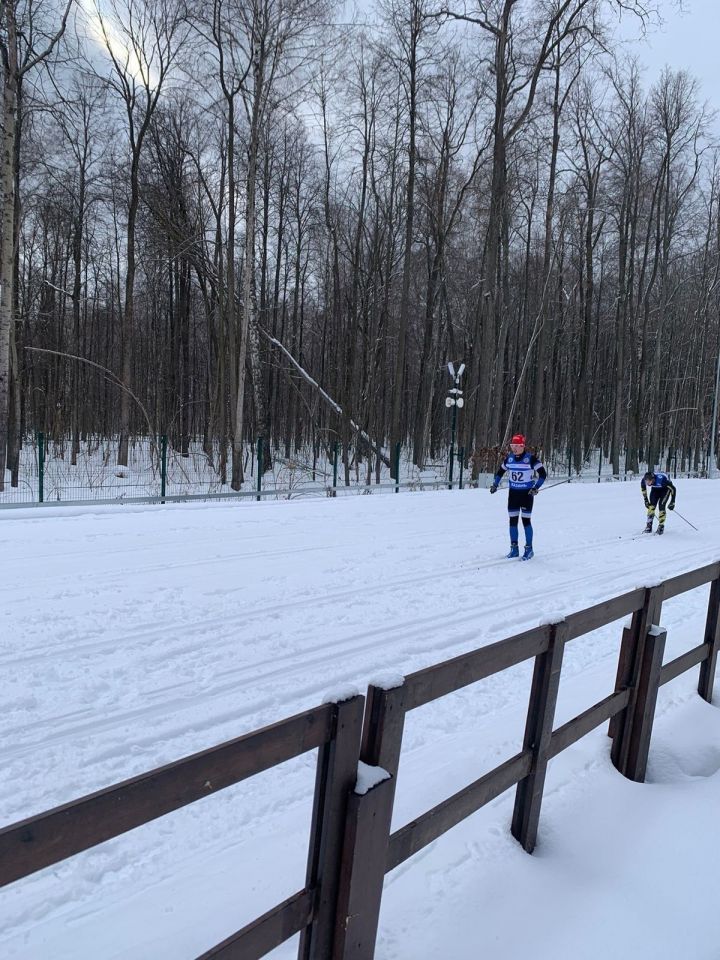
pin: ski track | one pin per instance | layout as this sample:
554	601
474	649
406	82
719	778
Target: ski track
125	669
287	667
121	575
290	667
170	707
141	634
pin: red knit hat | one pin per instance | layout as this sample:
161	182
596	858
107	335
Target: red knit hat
519	439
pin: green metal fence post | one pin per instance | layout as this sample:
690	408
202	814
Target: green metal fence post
41	467
335	466
163	465
461	458
259	467
397	467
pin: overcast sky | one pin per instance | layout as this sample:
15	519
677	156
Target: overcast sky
688	40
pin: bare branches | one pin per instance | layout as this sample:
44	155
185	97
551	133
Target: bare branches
109	376
472	182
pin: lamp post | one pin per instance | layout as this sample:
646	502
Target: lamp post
455	400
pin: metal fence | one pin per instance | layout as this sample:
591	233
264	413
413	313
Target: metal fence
157	473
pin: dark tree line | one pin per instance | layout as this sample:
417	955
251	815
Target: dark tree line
237	219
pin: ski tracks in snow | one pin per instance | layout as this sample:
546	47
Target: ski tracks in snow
168	632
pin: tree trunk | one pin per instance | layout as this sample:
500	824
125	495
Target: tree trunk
7	257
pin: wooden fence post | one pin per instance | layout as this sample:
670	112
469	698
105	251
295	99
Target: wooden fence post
639	729
383	728
712	637
368	829
363	872
624	670
538	732
631	653
335	779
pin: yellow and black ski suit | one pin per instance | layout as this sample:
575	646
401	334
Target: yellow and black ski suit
662	495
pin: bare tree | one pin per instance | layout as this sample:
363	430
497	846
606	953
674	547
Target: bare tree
30	33
522	47
276	38
410	25
142	39
450	129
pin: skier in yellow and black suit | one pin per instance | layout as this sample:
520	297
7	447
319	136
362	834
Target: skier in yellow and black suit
662	494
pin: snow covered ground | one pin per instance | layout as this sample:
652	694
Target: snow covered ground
133	636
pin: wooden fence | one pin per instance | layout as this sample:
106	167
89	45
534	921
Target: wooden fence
351	847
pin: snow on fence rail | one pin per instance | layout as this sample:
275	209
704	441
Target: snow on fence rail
351	847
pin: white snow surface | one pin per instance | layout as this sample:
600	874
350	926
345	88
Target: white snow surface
369	777
134	636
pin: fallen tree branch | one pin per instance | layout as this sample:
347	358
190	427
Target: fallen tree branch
324	395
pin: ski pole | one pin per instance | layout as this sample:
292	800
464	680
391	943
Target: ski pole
677	513
549	486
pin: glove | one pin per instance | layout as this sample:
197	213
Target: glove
671	506
493	488
534	491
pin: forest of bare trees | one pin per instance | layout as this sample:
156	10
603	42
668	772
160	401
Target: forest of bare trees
232	219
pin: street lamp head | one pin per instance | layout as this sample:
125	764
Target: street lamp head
451	368
461	369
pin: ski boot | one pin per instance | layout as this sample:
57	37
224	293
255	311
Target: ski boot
528	555
661	528
648	526
514	551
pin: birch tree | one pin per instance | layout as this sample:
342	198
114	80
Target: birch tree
30	32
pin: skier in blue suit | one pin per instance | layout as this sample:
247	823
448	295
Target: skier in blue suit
526	474
662	495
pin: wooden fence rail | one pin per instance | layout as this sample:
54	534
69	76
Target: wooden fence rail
351	846
630	708
333	729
